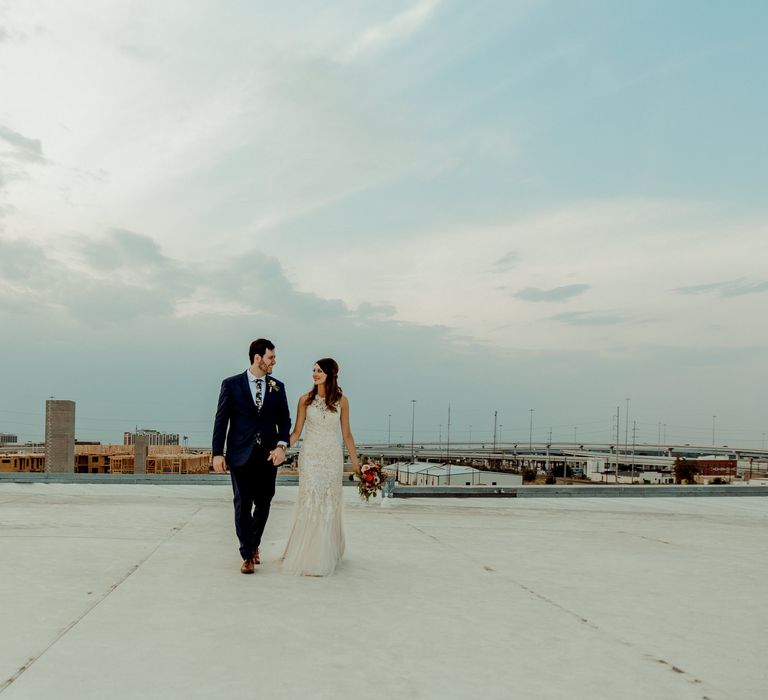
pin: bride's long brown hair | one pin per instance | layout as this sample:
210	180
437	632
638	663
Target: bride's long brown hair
333	391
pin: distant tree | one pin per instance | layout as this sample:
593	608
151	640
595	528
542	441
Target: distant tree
685	470
550	478
529	474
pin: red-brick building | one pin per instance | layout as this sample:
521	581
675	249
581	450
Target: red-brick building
713	466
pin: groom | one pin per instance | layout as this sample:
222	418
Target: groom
254	418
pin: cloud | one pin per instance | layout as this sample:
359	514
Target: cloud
24	148
590	318
376	311
557	294
19	259
122	247
122	276
734	288
395	29
507	262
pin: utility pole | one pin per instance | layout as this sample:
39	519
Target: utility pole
495	417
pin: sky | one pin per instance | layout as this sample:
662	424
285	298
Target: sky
497	206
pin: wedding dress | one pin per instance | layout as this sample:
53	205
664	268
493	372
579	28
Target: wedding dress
316	543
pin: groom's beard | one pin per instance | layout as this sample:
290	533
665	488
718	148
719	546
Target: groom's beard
264	368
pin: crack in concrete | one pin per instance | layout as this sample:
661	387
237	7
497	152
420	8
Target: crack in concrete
643	537
33	659
423	532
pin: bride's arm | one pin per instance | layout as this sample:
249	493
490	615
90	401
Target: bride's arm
301	415
346	432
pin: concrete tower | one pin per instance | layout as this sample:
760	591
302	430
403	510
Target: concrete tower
141	449
60	436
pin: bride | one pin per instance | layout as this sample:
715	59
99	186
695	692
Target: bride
316	543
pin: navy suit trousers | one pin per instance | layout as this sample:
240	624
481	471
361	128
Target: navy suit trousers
253	485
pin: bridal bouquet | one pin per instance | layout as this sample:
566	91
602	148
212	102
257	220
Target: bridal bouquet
372	478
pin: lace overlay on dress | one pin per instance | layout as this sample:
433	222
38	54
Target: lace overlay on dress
316	543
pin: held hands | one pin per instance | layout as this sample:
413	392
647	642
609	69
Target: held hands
277	456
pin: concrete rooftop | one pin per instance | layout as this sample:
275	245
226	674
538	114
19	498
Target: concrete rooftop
133	591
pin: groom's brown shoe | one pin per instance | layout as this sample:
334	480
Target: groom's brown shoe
247	567
256	558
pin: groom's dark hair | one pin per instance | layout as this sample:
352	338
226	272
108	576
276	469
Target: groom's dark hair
260	347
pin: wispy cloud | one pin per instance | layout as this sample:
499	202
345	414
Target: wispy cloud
733	288
507	262
398	27
590	318
23	148
379	311
557	294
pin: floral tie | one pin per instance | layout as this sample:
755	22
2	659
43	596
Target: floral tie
258	398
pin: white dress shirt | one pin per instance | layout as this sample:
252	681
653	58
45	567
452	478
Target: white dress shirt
252	379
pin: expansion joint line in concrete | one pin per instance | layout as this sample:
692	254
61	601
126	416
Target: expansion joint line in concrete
649	656
33	659
690	678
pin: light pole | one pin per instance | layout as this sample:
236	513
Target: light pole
413	427
448	445
713	430
389	429
626	430
618	428
495	416
530	432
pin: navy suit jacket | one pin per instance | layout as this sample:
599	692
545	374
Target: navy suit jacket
244	427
